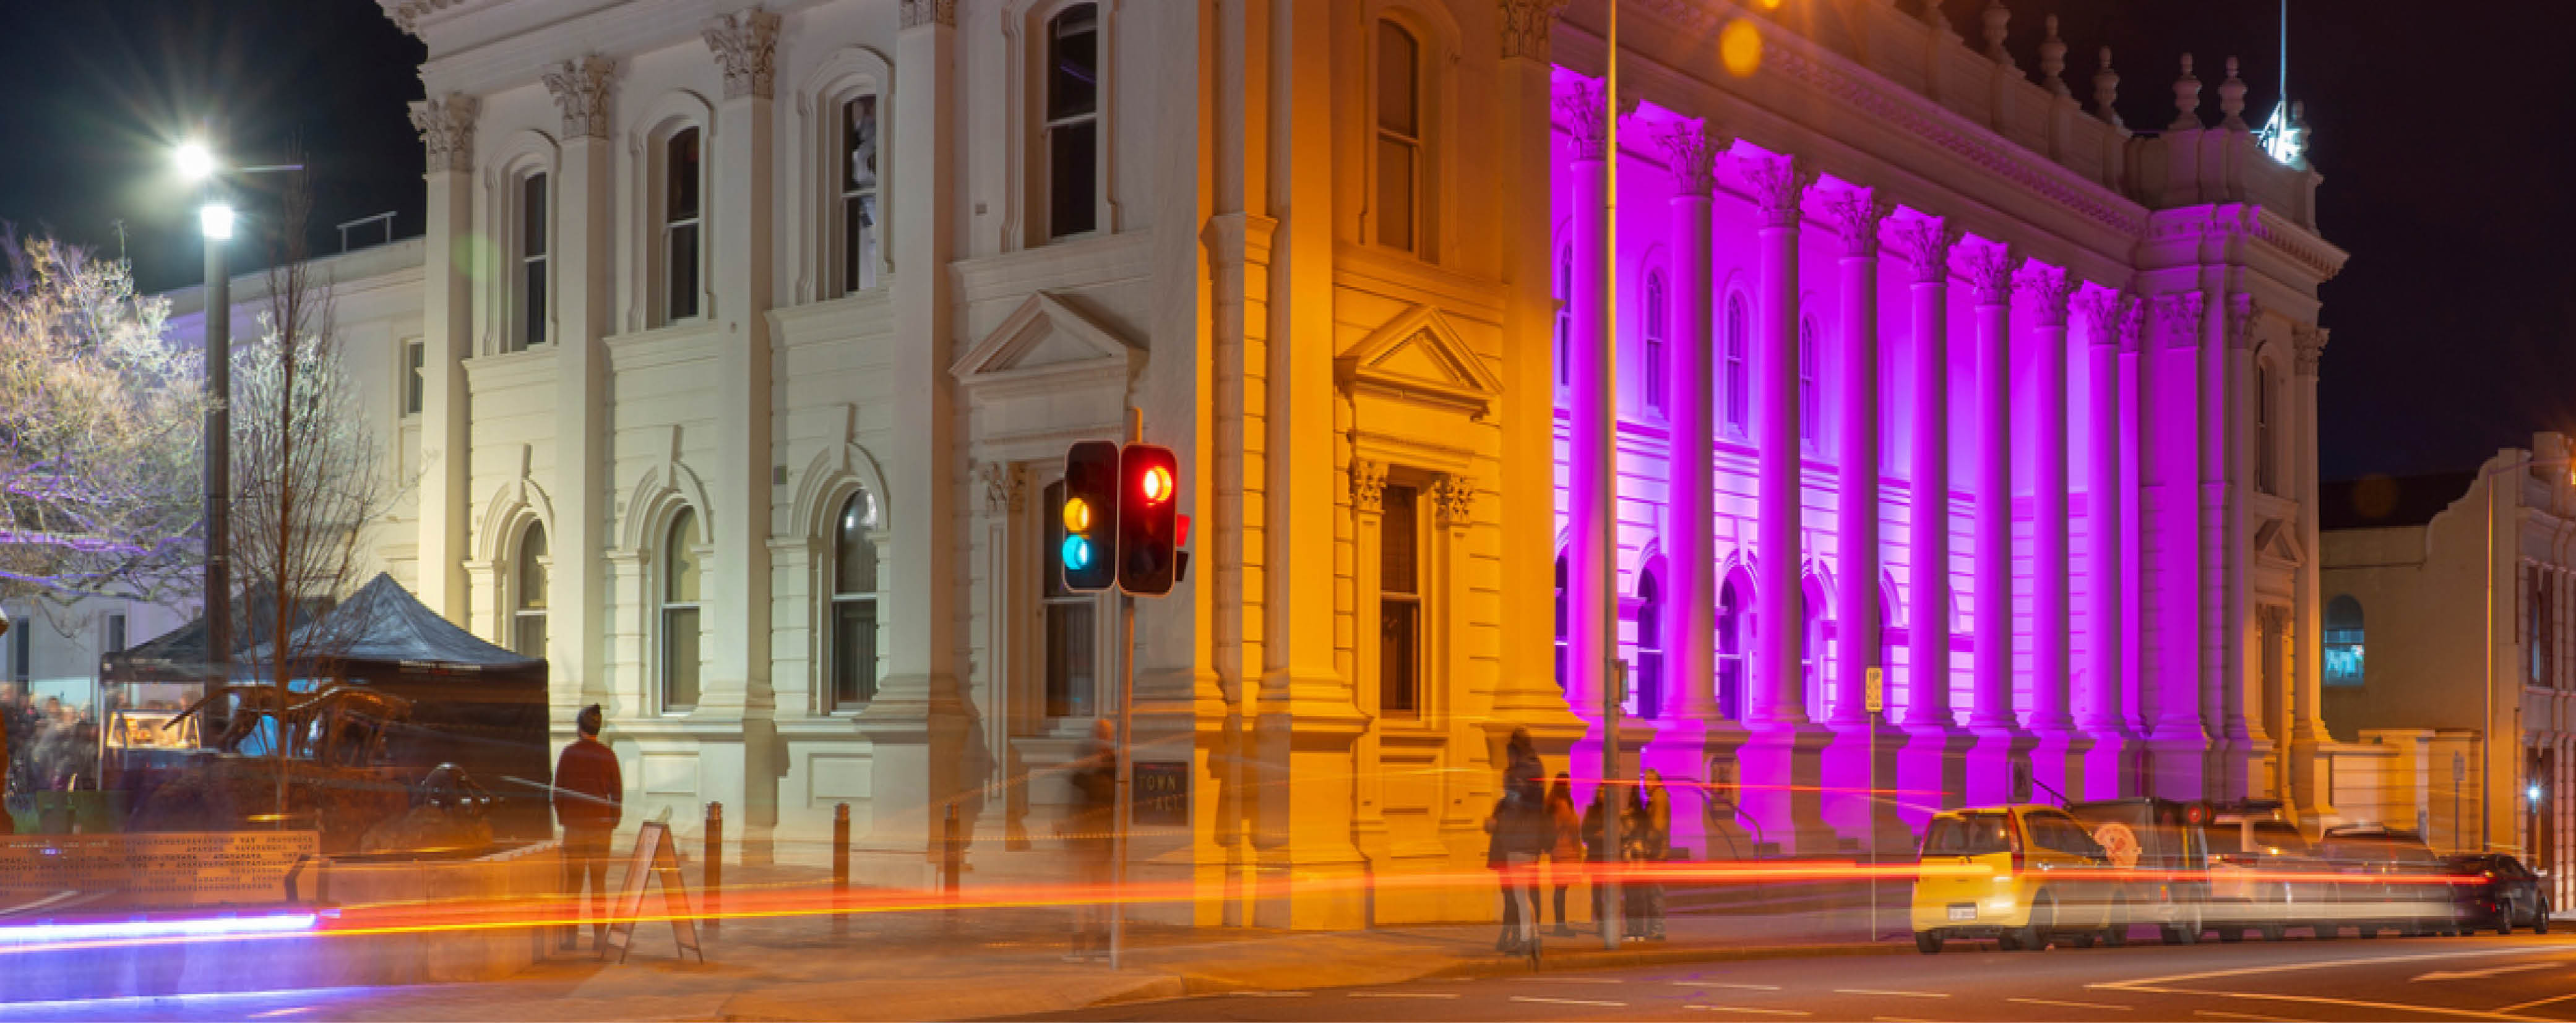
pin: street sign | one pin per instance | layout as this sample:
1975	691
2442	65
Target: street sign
1875	695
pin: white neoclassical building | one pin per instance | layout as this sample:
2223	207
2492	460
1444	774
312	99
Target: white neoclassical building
749	339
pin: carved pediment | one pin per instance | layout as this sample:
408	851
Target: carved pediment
1047	342
1419	357
2275	540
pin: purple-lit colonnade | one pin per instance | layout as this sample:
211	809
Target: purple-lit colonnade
2127	591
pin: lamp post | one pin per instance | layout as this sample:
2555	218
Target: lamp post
215	221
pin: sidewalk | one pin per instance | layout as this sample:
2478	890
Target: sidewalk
990	962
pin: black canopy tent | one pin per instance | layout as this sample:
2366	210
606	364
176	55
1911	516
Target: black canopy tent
473	704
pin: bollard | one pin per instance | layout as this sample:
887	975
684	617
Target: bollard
714	871
952	855
840	868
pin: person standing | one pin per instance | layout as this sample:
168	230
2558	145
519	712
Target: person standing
589	801
1650	833
1089	830
1521	829
1565	855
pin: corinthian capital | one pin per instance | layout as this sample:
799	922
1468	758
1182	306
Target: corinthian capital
1691	151
446	126
2311	344
2045	289
1585	107
2242	312
1856	213
1925	244
581	89
2177	318
1368	485
2101	308
1526	24
1453	497
1988	268
745	44
917	13
1778	185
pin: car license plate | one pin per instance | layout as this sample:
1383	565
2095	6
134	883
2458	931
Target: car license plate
1963	911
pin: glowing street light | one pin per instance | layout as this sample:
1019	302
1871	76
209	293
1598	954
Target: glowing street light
196	162
216	220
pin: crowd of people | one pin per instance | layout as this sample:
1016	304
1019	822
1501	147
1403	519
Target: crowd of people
1535	820
52	746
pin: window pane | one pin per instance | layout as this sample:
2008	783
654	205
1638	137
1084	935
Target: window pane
1399	570
415	377
1399	656
855	642
534	287
680	176
1396	59
681	262
532	215
859	143
680	560
532	570
679	657
528	635
1069	659
115	633
1395	193
1072	169
1073	63
854	556
858	243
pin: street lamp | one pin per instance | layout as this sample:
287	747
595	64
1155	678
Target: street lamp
196	161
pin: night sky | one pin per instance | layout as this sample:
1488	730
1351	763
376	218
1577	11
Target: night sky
2441	136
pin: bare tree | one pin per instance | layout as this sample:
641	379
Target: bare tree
99	432
309	479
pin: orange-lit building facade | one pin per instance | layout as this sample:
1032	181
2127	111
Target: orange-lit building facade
770	325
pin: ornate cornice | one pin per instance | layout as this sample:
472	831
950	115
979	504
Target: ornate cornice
406	14
446	127
2044	289
1988	268
1856	213
1368	485
1690	152
1925	243
745	44
1526	26
2178	318
2102	309
1778	185
1453	499
581	90
917	13
1584	107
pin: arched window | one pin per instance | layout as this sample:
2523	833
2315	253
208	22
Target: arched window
2266	459
1646	695
1071	135
1399	137
1565	316
683	213
2343	646
1560	623
1810	411
2540	633
1739	395
1072	660
1658	384
1731	620
528	619
857	176
853	661
528	325
680	583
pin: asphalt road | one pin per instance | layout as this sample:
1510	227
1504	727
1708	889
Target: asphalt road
2520	977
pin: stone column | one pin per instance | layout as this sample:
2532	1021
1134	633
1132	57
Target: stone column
1592	520
1680	746
1931	761
2311	761
2102	718
582	236
1862	756
2169	543
1781	768
2058	759
2239	676
446	126
1988	268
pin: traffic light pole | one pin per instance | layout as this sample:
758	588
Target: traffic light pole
1126	791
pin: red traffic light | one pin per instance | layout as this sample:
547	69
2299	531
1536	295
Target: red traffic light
1148	519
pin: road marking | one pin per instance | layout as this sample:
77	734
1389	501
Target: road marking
1890	994
1404	994
2480	974
1730	987
2156	985
2534	1003
1577	980
1898	1019
2215	1014
1740	1008
1568	1001
2120	985
2070	1005
1271	994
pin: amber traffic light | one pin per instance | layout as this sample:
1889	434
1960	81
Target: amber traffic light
1089	550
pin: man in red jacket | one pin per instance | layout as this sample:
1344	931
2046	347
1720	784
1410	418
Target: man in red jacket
588	796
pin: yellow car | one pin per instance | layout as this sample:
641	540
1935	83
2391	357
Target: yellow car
2027	876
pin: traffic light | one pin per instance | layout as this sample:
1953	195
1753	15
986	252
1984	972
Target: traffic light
1091	499
1148	519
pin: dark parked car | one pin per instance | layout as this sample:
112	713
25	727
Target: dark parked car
2506	894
